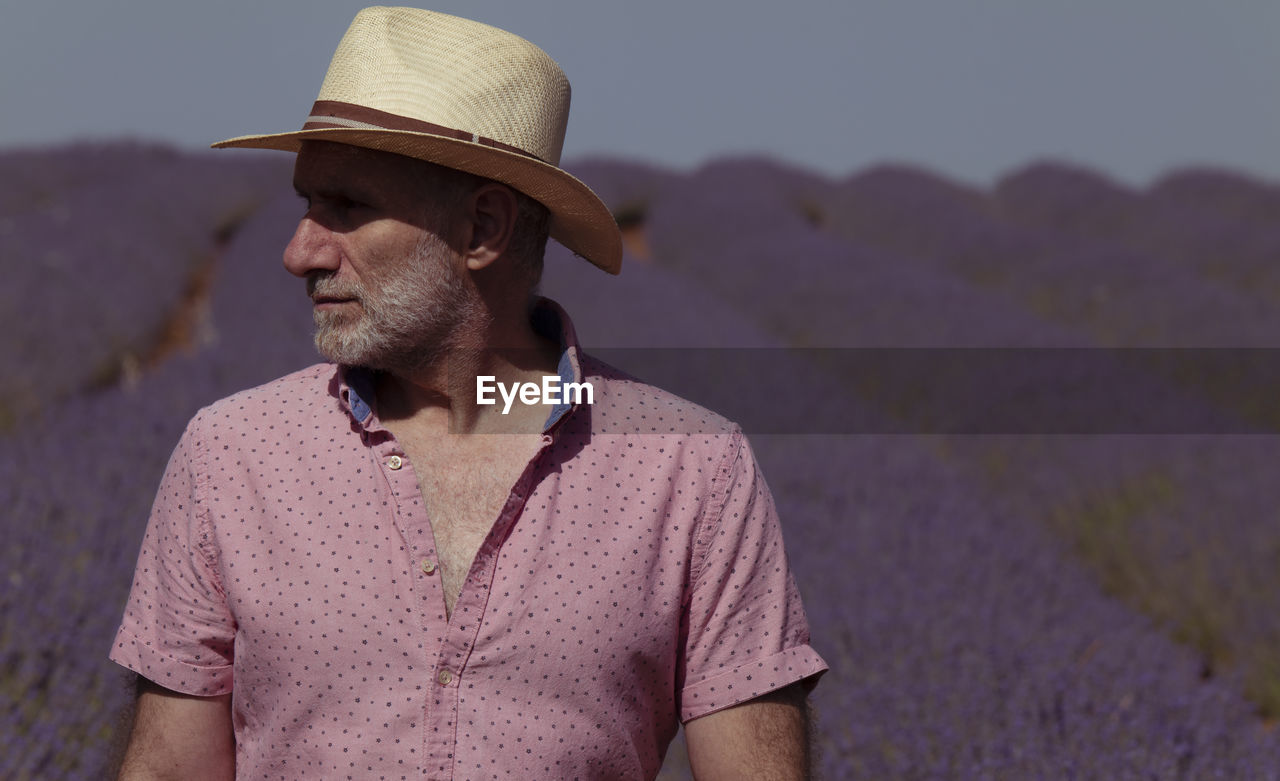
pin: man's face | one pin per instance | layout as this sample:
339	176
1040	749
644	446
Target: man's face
388	289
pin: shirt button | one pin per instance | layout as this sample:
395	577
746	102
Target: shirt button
445	678
395	462
428	566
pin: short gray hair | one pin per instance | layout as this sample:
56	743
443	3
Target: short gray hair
529	241
532	226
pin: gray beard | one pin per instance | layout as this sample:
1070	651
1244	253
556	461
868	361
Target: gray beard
408	321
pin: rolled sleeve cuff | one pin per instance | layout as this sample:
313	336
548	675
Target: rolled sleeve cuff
751	680
139	656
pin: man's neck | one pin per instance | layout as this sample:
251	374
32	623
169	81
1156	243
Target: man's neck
441	398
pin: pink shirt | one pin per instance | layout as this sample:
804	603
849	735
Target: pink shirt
635	578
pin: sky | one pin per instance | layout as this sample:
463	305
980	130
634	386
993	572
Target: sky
970	89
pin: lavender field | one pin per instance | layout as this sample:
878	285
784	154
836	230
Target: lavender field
1021	438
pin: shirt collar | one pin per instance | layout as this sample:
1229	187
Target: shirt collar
356	387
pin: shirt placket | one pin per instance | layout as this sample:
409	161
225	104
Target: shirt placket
457	633
411	520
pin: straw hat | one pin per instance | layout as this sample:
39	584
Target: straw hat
460	94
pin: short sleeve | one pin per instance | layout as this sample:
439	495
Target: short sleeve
747	633
177	630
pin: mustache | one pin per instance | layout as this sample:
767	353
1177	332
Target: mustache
326	286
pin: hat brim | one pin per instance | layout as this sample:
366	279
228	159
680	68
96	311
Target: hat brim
579	219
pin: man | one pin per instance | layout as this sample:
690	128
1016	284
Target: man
362	570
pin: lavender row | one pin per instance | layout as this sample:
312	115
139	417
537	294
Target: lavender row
752	239
78	512
104	247
1057	259
1180	527
965	644
1217	225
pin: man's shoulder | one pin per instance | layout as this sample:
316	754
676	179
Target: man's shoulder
299	393
628	404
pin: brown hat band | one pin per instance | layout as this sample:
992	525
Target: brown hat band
336	113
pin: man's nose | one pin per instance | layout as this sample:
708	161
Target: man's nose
312	248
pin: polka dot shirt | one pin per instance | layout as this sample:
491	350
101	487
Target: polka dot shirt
635	578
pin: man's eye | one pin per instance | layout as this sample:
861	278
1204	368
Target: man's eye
342	203
334	204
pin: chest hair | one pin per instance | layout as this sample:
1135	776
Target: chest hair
465	483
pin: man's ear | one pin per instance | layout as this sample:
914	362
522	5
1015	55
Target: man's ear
491	212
